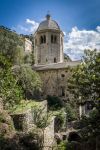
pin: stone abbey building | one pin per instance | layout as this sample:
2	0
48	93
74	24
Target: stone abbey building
49	59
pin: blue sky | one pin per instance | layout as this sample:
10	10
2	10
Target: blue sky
79	19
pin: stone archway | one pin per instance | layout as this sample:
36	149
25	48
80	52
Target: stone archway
74	136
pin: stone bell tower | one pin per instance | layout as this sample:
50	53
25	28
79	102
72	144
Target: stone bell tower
48	43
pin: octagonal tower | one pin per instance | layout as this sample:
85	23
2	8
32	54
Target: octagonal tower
48	43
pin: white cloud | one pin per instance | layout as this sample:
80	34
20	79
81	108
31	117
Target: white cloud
30	21
78	40
75	41
64	33
22	28
98	28
33	25
28	27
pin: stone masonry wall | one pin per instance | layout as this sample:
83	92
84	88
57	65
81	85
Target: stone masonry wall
45	53
26	120
49	135
55	82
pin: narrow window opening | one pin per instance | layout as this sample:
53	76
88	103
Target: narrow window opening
51	38
39	61
55	60
41	39
62	91
62	75
44	39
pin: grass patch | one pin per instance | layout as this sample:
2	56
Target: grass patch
24	106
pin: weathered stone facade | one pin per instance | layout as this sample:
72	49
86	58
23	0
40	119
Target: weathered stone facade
54	78
49	133
54	82
28	45
26	120
48	42
49	59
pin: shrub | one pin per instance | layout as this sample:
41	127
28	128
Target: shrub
54	102
71	113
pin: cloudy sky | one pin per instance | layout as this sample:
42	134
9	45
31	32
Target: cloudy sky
78	19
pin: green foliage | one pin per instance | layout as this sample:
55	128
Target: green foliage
62	146
41	122
19	56
21	141
54	102
6	124
10	92
85	86
28	58
28	79
11	44
85	80
60	121
89	126
73	146
71	112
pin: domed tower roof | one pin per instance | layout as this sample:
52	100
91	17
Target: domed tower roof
48	24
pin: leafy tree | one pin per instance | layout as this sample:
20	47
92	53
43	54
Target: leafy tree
85	80
10	91
28	79
54	102
11	44
71	113
19	55
28	58
85	85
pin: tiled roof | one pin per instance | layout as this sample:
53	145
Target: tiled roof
48	24
53	66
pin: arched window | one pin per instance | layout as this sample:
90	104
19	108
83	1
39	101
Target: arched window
55	39
51	38
44	39
62	91
55	60
41	39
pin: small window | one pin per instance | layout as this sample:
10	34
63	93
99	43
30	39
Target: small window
41	39
62	91
51	38
62	75
44	39
55	60
35	41
39	61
